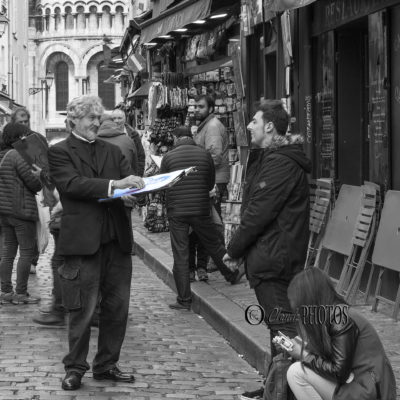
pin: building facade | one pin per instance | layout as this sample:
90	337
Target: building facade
66	40
14	57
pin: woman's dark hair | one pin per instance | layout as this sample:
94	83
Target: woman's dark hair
313	287
12	132
273	111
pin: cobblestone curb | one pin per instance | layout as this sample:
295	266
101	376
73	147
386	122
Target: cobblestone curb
226	317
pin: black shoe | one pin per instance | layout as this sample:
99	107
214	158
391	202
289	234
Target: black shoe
50	319
179	306
72	381
114	374
202	275
255	394
237	275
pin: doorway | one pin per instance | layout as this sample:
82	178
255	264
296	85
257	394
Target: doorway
352	103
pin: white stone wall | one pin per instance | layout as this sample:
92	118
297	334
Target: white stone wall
71	31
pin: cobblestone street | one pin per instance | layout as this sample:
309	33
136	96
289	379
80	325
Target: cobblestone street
174	355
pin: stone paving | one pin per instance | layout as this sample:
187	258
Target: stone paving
243	296
174	355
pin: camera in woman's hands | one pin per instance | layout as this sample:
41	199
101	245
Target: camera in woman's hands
283	341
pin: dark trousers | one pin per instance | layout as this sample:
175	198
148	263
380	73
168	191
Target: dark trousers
198	256
208	235
56	262
16	233
83	278
222	191
272	297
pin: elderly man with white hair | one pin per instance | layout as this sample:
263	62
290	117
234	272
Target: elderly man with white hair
95	242
118	116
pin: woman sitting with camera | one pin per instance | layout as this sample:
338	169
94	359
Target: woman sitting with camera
343	358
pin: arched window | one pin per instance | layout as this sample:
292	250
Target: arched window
69	19
119	18
106	18
57	16
106	91
93	24
47	19
61	80
81	19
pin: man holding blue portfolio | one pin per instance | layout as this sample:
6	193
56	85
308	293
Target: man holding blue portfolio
95	241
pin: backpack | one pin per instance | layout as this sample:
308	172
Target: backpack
276	385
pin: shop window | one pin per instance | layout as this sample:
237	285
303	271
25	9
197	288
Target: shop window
61	81
106	91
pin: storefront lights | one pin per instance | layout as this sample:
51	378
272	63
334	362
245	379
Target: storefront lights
181	30
165	37
199	21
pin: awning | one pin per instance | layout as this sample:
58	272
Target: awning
199	69
175	18
143	91
5	110
282	5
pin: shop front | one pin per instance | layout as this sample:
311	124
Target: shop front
356	114
192	49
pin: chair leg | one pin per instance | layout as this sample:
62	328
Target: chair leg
378	290
367	290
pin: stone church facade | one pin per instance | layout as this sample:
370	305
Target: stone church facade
66	39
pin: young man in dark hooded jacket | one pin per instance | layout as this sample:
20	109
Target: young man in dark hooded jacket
273	233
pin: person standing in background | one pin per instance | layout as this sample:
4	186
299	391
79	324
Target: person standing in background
118	116
18	216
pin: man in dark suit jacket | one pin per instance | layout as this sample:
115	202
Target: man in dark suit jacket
95	241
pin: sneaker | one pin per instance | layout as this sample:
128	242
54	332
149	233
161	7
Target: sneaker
192	276
50	319
25	298
211	267
255	394
6	297
33	269
202	275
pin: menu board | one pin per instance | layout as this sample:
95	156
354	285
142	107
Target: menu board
325	106
378	100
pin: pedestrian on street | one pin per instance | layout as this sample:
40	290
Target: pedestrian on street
119	117
95	242
18	216
188	206
21	115
211	135
342	357
110	132
273	233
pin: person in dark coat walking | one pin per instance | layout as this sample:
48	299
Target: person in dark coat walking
188	205
95	242
273	233
18	216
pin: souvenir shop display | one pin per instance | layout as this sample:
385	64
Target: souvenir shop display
231	215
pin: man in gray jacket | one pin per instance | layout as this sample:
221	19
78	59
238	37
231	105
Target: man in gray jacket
212	136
